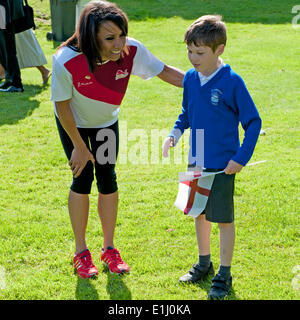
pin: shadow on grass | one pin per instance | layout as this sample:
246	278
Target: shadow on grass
206	284
116	288
85	290
17	106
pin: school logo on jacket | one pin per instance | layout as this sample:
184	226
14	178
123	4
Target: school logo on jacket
215	96
121	74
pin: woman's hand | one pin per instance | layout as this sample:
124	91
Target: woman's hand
233	167
80	154
79	159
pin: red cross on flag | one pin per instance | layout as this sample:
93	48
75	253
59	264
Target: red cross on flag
193	191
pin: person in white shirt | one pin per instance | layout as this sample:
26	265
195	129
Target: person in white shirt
30	53
89	79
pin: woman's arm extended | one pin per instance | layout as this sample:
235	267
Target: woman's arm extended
172	75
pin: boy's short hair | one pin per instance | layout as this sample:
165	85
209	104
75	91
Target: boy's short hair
207	30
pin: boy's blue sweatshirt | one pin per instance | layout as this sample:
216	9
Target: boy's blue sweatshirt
218	107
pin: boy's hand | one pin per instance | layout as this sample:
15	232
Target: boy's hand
233	167
168	143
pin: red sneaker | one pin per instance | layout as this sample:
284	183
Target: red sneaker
112	259
84	265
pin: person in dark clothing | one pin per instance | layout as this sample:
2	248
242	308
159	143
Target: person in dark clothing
8	55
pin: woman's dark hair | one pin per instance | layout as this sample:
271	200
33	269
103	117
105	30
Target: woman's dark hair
85	37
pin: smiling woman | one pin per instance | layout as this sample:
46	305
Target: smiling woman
112	40
91	71
100	25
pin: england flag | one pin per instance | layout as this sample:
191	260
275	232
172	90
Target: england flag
193	192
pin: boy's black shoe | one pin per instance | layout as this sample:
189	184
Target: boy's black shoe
220	287
197	273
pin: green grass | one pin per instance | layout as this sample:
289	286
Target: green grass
158	241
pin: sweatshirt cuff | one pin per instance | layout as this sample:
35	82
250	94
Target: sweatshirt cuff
175	133
240	160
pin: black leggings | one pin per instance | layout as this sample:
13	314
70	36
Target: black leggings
105	172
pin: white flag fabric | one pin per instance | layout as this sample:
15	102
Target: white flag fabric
193	192
194	189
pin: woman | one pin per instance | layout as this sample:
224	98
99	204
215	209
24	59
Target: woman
30	53
90	76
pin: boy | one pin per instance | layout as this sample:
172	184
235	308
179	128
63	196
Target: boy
215	99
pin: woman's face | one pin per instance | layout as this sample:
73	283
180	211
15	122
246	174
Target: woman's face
111	40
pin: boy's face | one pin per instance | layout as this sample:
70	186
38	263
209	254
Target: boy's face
203	58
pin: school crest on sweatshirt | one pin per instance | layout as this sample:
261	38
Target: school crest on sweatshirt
215	96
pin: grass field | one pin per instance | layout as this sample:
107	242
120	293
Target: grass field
156	239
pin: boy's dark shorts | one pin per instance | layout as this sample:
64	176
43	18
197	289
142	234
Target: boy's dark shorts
220	205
